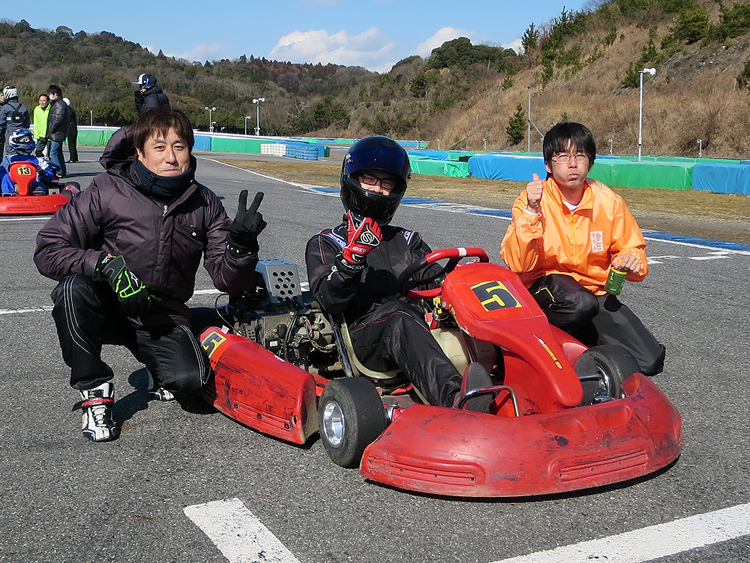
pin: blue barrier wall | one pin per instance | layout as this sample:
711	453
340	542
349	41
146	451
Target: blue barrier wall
202	143
722	178
505	167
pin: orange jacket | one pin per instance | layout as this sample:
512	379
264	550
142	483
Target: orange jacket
580	243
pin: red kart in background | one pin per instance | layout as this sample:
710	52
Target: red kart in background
26	202
564	417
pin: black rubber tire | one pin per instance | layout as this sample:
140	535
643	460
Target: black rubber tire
67	193
350	417
614	363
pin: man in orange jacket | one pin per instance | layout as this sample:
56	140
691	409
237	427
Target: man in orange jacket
566	233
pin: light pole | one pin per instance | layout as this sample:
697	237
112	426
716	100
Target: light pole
210	119
91	113
485	145
610	145
700	148
246	118
652	72
257	102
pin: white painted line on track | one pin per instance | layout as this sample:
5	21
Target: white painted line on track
238	534
32	218
652	542
23	311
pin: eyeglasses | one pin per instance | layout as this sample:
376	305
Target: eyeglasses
386	183
564	157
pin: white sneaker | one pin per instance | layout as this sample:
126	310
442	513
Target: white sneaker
97	423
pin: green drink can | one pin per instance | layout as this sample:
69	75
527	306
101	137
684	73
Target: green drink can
615	280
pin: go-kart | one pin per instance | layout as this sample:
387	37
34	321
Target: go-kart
563	417
26	202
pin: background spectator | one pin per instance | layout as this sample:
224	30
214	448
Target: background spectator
40	115
57	127
13	116
72	132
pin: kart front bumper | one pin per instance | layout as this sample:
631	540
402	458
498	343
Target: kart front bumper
458	453
32	204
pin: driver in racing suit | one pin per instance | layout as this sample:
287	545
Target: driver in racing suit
353	269
21	143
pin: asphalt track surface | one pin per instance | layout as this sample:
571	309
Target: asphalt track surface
65	499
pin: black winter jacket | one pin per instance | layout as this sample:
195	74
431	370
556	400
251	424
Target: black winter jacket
152	98
7	112
57	120
339	288
162	244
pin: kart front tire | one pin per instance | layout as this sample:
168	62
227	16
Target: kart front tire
350	417
614	363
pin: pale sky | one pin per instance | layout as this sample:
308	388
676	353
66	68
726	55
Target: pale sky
374	34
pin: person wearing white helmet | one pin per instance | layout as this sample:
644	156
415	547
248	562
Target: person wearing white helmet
72	132
13	115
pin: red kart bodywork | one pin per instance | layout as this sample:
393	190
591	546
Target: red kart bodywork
25	203
552	445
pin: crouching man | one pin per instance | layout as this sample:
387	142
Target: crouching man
126	252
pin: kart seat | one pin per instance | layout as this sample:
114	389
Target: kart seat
341	329
352	365
22	174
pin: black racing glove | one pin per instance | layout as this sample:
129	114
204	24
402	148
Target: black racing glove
247	225
132	294
362	238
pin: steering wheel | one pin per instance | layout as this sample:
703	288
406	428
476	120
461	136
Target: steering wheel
406	283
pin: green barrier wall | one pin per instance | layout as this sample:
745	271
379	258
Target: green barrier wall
431	167
220	144
644	174
94	138
602	170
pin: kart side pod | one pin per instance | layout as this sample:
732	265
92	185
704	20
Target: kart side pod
258	389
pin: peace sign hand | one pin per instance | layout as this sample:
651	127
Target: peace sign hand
247	225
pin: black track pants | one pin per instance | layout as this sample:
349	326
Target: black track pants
88	315
597	320
395	335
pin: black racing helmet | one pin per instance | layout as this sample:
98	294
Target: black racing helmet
374	153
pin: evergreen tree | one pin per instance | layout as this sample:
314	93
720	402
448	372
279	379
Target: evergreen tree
516	128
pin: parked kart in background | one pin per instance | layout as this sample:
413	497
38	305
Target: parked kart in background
563	417
26	201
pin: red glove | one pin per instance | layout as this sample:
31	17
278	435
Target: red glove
362	239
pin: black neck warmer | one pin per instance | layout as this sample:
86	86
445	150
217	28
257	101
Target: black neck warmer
164	188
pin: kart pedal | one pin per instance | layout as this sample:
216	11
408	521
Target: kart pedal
476	379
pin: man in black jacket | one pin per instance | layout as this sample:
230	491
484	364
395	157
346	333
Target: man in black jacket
353	269
57	127
120	146
149	95
126	251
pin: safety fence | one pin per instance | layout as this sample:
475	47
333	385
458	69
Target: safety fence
677	173
292	147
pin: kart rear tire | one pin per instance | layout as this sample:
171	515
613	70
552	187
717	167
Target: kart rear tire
614	363
350	417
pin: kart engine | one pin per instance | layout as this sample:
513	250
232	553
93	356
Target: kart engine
282	318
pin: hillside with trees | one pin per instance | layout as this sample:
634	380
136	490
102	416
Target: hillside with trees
581	66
